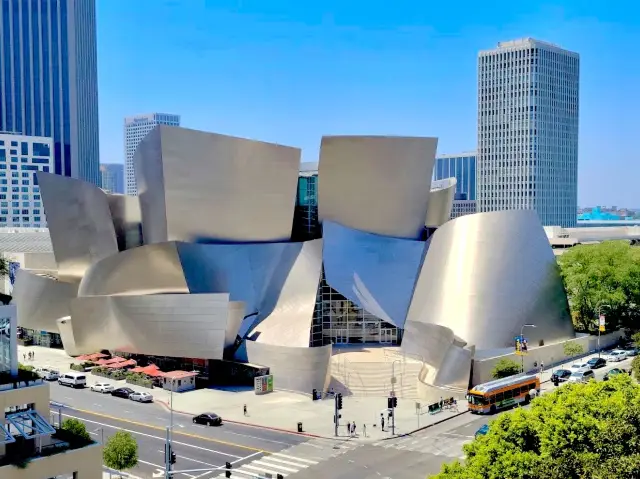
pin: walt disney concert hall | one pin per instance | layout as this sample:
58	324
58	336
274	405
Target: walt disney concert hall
223	255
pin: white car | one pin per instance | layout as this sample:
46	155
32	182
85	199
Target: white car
579	366
616	355
141	397
48	374
102	388
581	376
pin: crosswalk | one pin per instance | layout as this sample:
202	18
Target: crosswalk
442	444
292	460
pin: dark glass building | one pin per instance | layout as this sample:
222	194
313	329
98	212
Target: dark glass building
49	81
462	166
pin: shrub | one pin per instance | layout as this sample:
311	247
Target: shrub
77	428
76	367
635	367
504	368
121	451
571	348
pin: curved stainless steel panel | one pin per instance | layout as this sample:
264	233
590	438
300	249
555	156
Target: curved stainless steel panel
440	202
294	369
195	186
80	224
377	184
178	325
487	274
66	336
289	322
41	300
378	273
127	220
149	269
257	274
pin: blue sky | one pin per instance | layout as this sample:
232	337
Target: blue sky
290	71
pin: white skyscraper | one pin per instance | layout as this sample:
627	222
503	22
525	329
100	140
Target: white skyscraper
135	129
528	107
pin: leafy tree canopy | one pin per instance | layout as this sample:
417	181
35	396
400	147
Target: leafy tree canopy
571	348
76	427
505	367
579	431
603	277
121	451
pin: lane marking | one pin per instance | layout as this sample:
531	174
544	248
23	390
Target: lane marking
187	434
456	435
163	439
262	470
162	468
194	460
259	438
275	459
278	454
278	466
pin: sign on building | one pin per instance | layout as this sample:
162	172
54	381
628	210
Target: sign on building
602	323
263	384
8	339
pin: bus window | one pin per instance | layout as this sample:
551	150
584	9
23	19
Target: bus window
508	394
499	397
492	400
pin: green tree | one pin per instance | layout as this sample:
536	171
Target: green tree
603	278
635	338
635	367
76	427
504	368
572	349
578	431
121	451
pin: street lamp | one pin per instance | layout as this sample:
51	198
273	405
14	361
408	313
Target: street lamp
598	323
526	325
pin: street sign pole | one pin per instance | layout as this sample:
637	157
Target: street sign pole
167	454
335	414
601	326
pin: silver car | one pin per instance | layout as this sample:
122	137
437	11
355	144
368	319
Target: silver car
581	376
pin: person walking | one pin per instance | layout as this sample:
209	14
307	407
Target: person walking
349	428
24	356
541	366
382	421
353	429
364	430
244	410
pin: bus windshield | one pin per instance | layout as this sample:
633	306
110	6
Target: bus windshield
477	400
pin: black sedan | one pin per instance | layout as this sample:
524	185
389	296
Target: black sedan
560	375
208	419
615	372
122	392
595	363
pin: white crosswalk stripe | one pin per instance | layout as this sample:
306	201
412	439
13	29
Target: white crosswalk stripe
292	460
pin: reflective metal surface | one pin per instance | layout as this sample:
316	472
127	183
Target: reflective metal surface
127	220
486	275
199	186
289	321
178	325
41	301
376	184
66	336
378	273
79	222
149	269
440	202
295	369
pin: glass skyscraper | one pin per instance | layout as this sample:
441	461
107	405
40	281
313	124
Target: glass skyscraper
462	166
528	112
49	81
112	177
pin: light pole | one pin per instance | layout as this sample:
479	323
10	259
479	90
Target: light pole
393	394
598	323
169	448
526	325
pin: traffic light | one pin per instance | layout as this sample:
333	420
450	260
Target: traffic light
394	401
173	457
279	476
389	403
227	473
339	400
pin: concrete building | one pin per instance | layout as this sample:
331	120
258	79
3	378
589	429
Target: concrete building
112	177
528	111
30	446
20	158
49	80
463	207
135	129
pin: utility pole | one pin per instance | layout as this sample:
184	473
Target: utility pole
167	455
336	411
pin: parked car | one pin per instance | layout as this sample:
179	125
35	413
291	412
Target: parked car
102	387
141	397
595	363
48	374
614	372
122	392
615	356
631	351
482	431
560	375
579	366
581	376
208	419
73	379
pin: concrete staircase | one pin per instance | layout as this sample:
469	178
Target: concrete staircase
373	378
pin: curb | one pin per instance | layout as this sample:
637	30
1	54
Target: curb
425	427
248	424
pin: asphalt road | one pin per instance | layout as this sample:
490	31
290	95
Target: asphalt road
443	442
196	446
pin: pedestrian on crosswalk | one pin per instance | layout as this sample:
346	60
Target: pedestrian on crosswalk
382	420
349	427
364	430
353	429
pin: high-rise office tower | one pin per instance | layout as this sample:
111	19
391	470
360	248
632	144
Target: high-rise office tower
528	106
135	129
112	177
462	167
49	79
